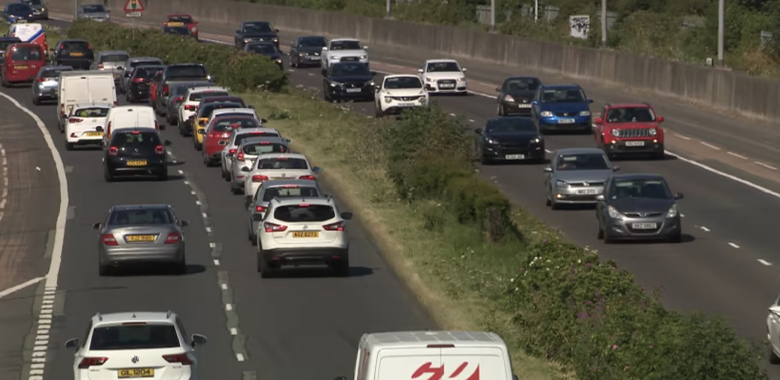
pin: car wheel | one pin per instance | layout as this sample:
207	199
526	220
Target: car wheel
773	358
378	111
659	155
180	267
36	101
69	146
600	235
235	189
103	270
264	267
677	237
548	203
554	205
500	110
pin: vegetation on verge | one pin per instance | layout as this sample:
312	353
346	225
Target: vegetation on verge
479	264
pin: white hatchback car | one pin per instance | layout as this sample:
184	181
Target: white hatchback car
189	106
303	231
135	345
235	139
443	76
273	166
399	92
85	125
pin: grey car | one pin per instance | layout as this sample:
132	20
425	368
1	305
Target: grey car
112	61
40	9
236	138
131	64
94	12
282	188
47	83
638	207
306	50
576	176
141	234
246	154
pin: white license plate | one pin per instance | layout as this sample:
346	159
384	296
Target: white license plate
565	121
644	226
447	86
523	106
515	156
635	143
406	104
315	58
587	192
354	89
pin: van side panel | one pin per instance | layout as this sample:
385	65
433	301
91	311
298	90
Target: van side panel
462	363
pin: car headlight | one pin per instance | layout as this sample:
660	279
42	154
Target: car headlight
300	54
509	98
461	79
545	114
278	60
536	140
335	57
246	40
653	132
613	213
335	84
672	212
560	183
363	57
276	40
372	84
584	113
388	99
428	79
615	132
490	141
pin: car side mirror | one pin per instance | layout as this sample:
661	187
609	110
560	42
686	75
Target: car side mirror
324	49
316	169
590	101
420	71
478	131
72	343
548	170
660	119
464	69
198	340
346	215
201	131
534	102
679	196
184	223
600	197
97	226
598	120
615	168
167	142
245	169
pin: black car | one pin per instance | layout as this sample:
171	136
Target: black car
256	31
138	84
306	50
135	151
180	72
348	80
516	94
182	31
77	54
5	42
266	49
510	139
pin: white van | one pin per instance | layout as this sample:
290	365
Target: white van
130	117
451	355
83	87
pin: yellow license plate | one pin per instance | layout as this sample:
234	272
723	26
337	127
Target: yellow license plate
314	234
136	162
116	75
175	24
76	54
140	372
20	67
91	134
141	238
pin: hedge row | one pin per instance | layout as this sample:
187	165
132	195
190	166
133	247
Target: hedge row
230	67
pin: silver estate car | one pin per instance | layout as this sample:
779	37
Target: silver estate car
282	188
236	137
246	154
112	61
576	176
47	83
141	234
639	207
94	12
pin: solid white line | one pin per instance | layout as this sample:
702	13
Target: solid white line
709	145
193	192
733	245
59	235
20	286
737	155
705	229
208	229
228	307
765	165
767	263
682	137
240	357
212	245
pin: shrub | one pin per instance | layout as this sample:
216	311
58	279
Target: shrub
230	67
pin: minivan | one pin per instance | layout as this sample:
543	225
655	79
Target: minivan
22	63
134	116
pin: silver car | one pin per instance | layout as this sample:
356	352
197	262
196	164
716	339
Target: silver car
282	188
112	61
47	84
246	154
236	137
639	207
141	234
131	64
94	12
576	176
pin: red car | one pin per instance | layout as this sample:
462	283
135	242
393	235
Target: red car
218	132
630	129
22	63
183	19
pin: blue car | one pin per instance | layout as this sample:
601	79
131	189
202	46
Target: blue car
561	107
16	12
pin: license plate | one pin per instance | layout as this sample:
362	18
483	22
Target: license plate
406	104
354	89
21	67
635	143
93	134
565	121
314	234
315	58
116	76
131	373
587	192
76	54
523	106
515	156
136	162
644	226
447	86
141	238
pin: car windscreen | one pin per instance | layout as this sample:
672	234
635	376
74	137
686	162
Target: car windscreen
27	53
145	63
304	212
263	148
19	8
94	8
115	58
91	112
402	82
290	191
510	125
282	163
566	95
264	49
186	72
140	216
639	188
240	138
224	99
134	337
206	94
180	30
147	72
121	138
226	125
350	69
183	19
209	108
181	89
312	42
258	27
522	84
345	45
630	115
441	67
54	73
582	161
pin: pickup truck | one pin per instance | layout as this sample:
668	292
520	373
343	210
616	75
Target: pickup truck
182	72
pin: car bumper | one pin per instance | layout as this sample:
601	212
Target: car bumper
577	195
632	146
305	256
86	140
152	165
503	153
139	92
20	77
434	89
45	92
309	60
579	123
341	93
121	255
76	64
625	228
512	108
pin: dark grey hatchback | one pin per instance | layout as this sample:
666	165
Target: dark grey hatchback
638	207
135	151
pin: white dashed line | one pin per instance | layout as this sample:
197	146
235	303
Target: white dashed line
733	245
193	192
187	183
181	171
216	262
765	165
197	203
737	155
709	145
548	151
223	286
705	229
682	137
208	229
212	245
174	161
205	215
767	263
233	331
169	153
240	357
471	120
228	307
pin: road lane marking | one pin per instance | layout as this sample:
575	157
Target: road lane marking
548	151
471	120
452	114
223	286
240	357
20	286
216	262
767	263
709	145
765	165
733	245
682	137
705	229
233	331
737	155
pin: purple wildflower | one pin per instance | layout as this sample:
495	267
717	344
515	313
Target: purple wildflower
614	346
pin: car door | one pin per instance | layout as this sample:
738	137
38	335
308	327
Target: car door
535	106
602	204
548	176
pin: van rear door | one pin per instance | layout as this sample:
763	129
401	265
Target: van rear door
73	90
408	364
450	363
102	89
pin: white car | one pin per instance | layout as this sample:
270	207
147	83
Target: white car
399	92
773	332
343	50
303	231
246	156
135	345
189	105
272	166
85	125
443	76
235	139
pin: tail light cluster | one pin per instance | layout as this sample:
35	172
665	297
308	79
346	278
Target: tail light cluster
138	80
240	156
108	239
100	66
190	108
159	149
75	120
89	362
260	208
232	151
41	79
338	226
273	227
259	178
178	358
113	151
311	177
173	238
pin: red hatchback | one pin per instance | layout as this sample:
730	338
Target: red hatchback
22	63
218	132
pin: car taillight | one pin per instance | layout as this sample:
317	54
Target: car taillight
178	99
173	238
339	226
240	156
138	80
159	149
189	108
41	79
88	362
260	209
165	89
311	177
271	227
113	151
178	358
62	109
157	127
108	239
259	178
75	120
232	151
100	66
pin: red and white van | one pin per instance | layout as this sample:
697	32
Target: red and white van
22	63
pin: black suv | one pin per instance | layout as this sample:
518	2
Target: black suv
135	151
77	54
138	83
182	72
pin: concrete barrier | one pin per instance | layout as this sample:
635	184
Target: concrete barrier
721	89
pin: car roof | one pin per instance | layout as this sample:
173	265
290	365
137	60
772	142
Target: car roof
525	120
287	182
286	201
630	105
59	68
401	76
185	64
130	316
578	151
254	140
130	108
214	99
179	15
630	176
250	130
424	338
277	155
135	129
206	89
522	77
84	105
344	39
107	52
561	86
240	110
440	60
136	59
140	206
302	37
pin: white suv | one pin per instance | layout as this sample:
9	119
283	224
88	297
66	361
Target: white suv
273	166
343	50
399	92
135	344
189	105
303	231
444	76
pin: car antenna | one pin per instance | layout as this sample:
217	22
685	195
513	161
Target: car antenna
100	316
168	314
133	315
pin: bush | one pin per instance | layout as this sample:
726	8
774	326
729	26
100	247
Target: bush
230	67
